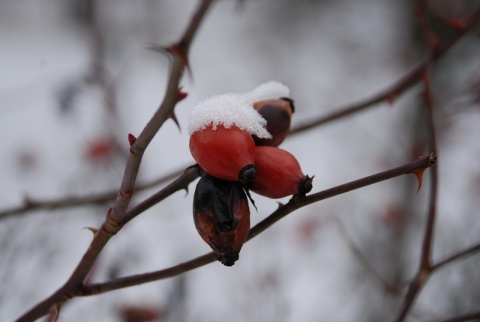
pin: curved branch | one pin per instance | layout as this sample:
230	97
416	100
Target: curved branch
113	221
463	253
425	267
292	205
69	202
393	91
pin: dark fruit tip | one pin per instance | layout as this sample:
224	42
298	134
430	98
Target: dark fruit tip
247	174
229	258
305	186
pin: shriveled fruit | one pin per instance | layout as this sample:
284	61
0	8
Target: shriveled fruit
278	114
222	216
225	153
278	174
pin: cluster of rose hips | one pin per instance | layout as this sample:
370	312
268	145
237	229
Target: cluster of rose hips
236	144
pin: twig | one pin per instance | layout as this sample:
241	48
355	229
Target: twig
68	202
116	214
292	205
393	91
463	318
365	263
182	182
463	253
425	267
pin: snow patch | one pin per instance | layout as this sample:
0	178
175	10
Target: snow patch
227	110
267	91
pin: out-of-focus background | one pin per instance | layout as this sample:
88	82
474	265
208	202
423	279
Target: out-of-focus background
76	77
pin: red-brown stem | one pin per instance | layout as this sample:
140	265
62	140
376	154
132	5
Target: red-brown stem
425	267
463	253
463	318
68	202
394	90
292	205
117	213
190	174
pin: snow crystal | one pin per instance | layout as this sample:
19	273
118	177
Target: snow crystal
268	90
227	110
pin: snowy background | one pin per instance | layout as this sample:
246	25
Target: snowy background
72	88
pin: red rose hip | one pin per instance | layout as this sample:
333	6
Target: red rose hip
278	174
221	130
225	153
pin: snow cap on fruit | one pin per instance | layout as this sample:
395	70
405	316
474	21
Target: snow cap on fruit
268	91
228	110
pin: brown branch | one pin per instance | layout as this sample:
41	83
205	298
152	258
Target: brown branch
292	205
463	253
463	318
69	202
182	182
393	91
116	214
425	267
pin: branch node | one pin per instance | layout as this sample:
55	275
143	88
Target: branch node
126	194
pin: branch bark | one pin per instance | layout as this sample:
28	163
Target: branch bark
393	91
292	205
113	221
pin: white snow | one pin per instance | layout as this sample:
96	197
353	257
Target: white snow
267	91
227	110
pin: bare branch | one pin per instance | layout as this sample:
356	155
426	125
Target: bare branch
425	267
395	90
292	205
69	202
461	254
117	213
463	318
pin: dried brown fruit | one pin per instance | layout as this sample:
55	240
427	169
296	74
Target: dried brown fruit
222	216
278	114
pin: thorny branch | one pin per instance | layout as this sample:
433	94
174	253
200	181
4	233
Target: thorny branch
395	90
119	216
69	202
117	213
388	94
425	267
292	205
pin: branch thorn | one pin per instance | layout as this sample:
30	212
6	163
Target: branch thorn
93	230
418	172
174	118
181	95
131	139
